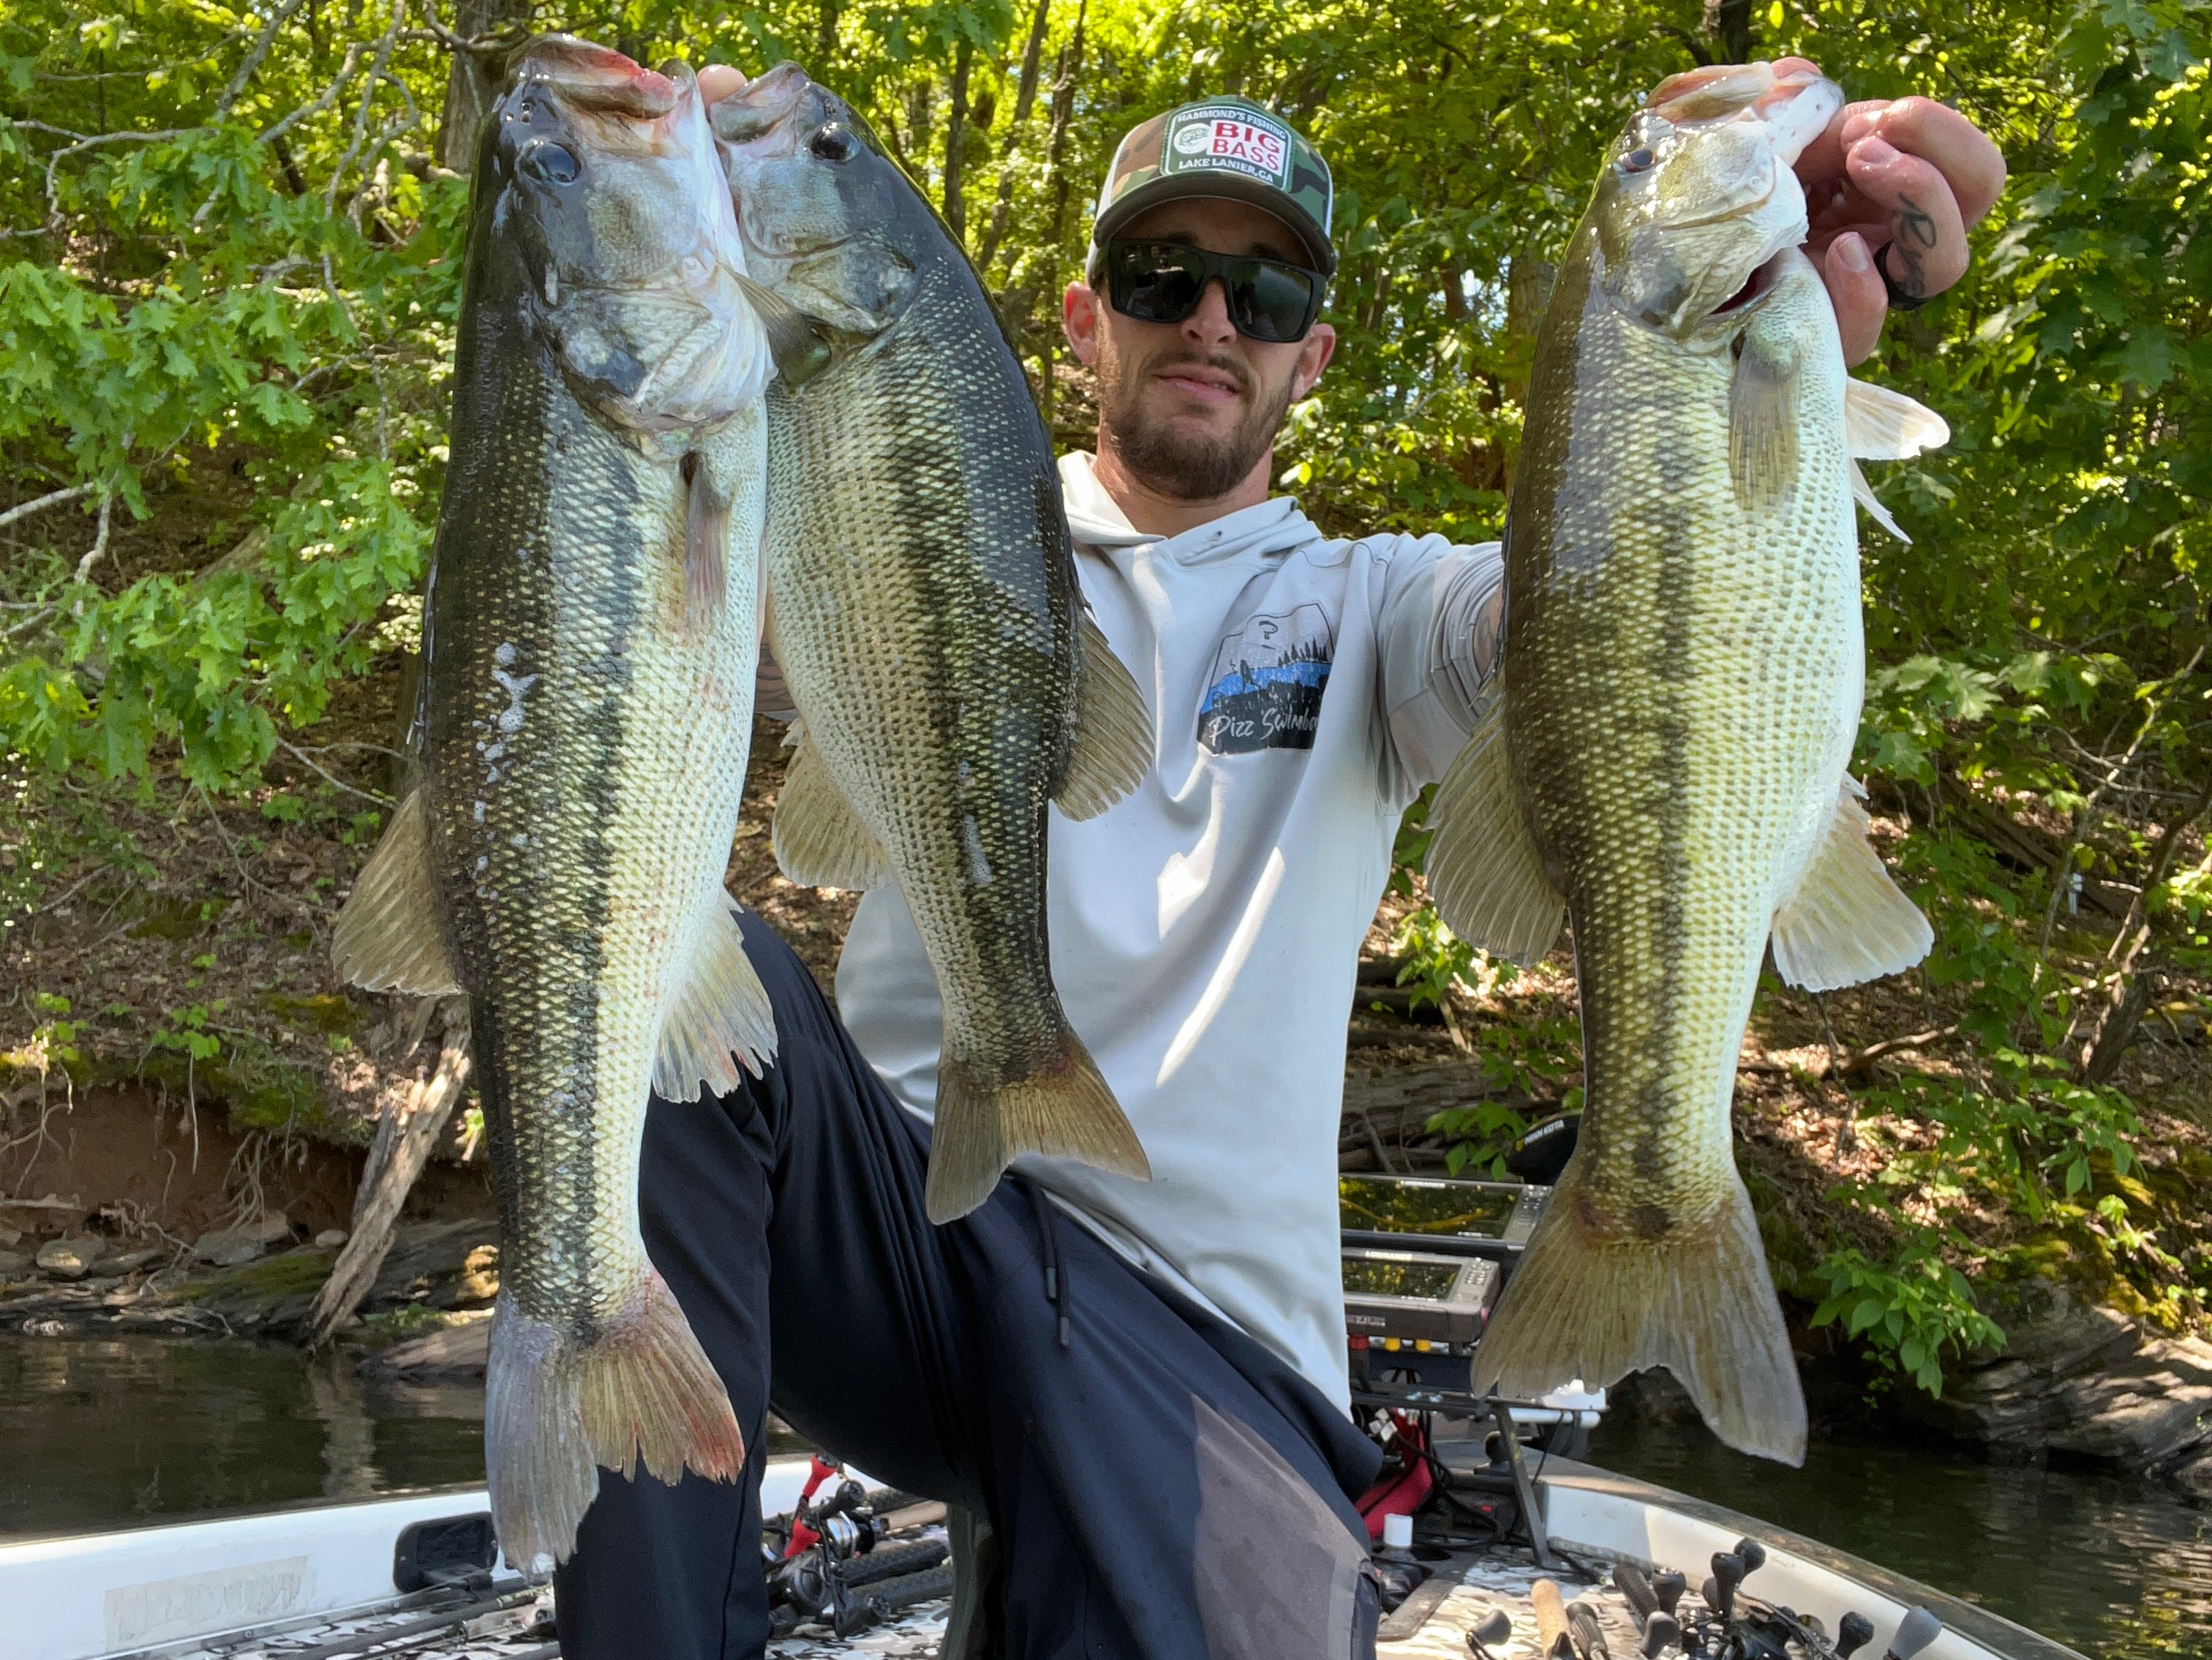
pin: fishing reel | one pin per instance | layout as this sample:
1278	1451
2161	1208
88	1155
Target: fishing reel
830	1563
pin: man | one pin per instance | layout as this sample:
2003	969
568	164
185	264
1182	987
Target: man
1140	1388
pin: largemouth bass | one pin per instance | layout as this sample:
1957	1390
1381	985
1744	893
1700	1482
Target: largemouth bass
924	607
589	643
1681	682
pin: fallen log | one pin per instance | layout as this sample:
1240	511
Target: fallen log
403	1141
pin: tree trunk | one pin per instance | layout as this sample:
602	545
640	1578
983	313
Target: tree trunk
474	81
1728	25
1025	101
403	1141
1069	70
2130	993
825	39
955	140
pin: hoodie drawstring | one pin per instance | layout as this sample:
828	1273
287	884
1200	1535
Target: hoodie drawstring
1055	1271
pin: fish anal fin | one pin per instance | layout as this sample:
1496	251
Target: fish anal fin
387	937
1064	1109
706	547
1113	746
1882	425
1486	874
819	841
1848	922
720	1021
1763	418
557	1409
1596	1299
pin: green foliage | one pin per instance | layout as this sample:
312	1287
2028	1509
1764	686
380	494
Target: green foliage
229	281
1909	1310
1434	959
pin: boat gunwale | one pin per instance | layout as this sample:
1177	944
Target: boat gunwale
1990	1630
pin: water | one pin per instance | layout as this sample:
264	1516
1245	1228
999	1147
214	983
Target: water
107	1432
2120	1569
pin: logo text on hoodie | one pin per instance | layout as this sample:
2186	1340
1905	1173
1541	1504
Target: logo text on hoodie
1265	689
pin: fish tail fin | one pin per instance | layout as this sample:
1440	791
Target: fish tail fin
1063	1108
557	1407
1596	1302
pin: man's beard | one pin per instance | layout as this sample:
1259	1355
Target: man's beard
1186	467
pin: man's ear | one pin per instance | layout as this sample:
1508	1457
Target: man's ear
1079	317
1314	353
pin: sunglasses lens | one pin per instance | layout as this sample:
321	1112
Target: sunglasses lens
1154	284
1162	283
1270	302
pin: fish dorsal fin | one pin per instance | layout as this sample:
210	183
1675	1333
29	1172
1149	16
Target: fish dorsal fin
706	547
1881	425
1847	921
387	937
1862	493
721	1016
819	840
800	351
1113	747
1486	874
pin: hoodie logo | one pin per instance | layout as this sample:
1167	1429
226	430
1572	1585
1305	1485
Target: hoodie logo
1267	681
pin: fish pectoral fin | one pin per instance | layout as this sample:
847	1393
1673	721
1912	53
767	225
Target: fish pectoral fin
1113	747
720	1019
1881	425
1763	419
706	547
1600	1294
819	841
387	937
1862	493
1486	874
1848	922
793	341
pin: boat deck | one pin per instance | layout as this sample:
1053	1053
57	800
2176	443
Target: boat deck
516	1623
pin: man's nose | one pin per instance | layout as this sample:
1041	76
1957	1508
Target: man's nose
1209	325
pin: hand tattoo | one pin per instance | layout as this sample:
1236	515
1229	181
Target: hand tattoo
1917	234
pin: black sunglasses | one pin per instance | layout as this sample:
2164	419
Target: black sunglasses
1269	300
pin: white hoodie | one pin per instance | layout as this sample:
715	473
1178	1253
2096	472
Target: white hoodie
1206	930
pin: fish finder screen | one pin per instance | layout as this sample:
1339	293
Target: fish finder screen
1430	1281
1441	1209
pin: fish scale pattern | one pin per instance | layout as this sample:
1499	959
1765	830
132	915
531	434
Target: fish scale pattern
1682	677
928	620
1686	688
585	718
938	683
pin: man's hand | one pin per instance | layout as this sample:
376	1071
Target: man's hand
1903	179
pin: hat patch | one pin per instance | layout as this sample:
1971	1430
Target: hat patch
1229	138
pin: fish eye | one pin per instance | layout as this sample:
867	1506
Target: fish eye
548	163
833	142
1639	160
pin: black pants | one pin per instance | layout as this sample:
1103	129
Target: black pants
1162	1486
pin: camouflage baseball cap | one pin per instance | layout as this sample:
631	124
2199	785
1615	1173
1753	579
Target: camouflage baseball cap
1219	147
